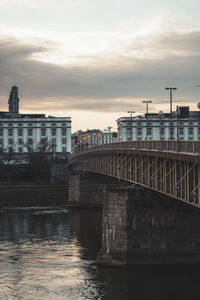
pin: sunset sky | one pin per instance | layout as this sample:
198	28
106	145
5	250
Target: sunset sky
94	60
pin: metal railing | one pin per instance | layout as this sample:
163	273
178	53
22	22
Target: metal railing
192	147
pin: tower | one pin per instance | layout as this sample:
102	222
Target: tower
14	100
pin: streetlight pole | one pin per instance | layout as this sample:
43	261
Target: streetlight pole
147	102
109	129
131	112
170	101
160	113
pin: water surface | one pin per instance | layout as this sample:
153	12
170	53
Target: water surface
49	253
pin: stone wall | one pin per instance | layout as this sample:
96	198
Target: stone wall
144	227
87	189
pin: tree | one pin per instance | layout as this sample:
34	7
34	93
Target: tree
40	158
7	156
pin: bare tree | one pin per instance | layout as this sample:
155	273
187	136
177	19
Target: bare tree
7	156
39	156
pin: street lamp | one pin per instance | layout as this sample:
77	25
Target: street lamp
160	113
136	128
147	102
109	129
131	112
170	101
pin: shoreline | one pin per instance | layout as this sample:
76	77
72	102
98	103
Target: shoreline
30	195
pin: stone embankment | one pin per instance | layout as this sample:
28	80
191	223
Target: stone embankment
33	195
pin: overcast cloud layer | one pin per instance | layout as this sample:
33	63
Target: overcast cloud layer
108	70
101	83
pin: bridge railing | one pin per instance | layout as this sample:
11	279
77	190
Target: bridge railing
167	145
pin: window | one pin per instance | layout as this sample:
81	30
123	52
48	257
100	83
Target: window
63	131
10	124
30	141
53	131
20	149
1	141
10	132
30	132
163	123
29	124
63	149
10	141
162	130
20	124
64	140
43	124
43	131
149	131
53	141
139	131
190	130
20	141
20	131
171	131
180	130
64	124
53	124
1	132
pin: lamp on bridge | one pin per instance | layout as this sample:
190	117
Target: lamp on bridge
160	113
147	102
109	130
131	112
170	101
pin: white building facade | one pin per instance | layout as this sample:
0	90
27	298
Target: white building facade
181	125
17	130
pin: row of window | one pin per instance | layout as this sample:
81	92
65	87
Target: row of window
30	141
163	123
20	149
31	124
30	132
163	130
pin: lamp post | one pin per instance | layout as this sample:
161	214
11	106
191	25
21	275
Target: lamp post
171	89
147	102
131	112
109	129
177	124
136	128
160	113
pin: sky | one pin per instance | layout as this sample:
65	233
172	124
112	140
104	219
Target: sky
94	60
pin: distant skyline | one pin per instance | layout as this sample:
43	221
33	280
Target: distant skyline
95	60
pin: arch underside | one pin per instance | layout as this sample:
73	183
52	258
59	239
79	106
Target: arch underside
177	178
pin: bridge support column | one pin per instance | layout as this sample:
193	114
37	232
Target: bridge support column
86	189
144	227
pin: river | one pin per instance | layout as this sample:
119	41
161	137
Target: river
49	253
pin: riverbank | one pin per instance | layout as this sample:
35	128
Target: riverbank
33	195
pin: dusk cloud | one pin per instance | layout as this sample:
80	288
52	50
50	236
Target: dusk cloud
110	82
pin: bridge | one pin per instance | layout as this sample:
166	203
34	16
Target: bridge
151	198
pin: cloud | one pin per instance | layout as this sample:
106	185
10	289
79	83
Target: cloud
128	67
45	3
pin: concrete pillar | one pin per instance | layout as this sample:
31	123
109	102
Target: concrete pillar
87	189
144	227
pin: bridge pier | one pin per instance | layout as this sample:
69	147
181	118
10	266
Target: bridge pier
144	227
87	189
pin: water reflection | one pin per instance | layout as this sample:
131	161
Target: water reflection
40	258
50	254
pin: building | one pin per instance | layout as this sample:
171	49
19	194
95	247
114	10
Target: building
183	124
92	137
17	130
